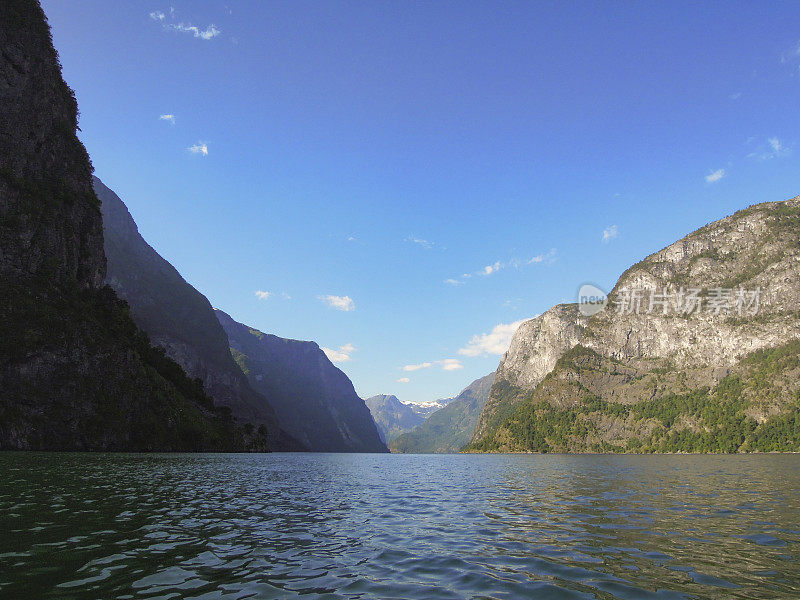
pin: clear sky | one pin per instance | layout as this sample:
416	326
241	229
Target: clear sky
393	179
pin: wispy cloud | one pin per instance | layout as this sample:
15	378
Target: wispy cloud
450	364
792	54
446	364
168	118
208	33
495	342
403	380
427	244
344	303
341	354
715	176
778	149
547	257
773	147
425	365
262	295
168	22
493	268
499	265
199	148
609	233
735	96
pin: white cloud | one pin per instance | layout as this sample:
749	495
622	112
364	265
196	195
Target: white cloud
493	268
495	342
450	364
447	364
735	96
342	354
208	33
778	149
344	303
792	54
199	148
715	176
609	233
548	257
204	34
420	242
169	118
403	380
262	295
425	365
774	148
285	296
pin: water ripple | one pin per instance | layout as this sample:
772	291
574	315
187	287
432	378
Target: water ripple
374	526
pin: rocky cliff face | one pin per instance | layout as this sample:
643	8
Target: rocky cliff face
392	416
315	402
656	370
534	350
75	372
178	318
452	426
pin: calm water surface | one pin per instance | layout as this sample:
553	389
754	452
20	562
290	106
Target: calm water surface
389	526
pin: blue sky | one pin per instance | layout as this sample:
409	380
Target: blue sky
349	158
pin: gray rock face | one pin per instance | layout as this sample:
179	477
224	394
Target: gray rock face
534	350
754	249
177	317
392	416
315	402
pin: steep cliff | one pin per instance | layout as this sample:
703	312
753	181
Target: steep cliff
392	416
315	402
178	318
450	427
75	372
663	367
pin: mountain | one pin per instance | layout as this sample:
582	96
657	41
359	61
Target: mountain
653	372
315	402
392	416
75	371
178	318
426	409
451	427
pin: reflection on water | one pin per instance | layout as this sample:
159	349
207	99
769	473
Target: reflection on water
398	526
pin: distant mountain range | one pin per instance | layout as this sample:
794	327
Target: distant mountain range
449	428
392	416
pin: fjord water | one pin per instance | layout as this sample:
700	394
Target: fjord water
398	526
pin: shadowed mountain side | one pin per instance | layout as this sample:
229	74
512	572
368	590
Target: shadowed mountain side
178	318
315	401
75	371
